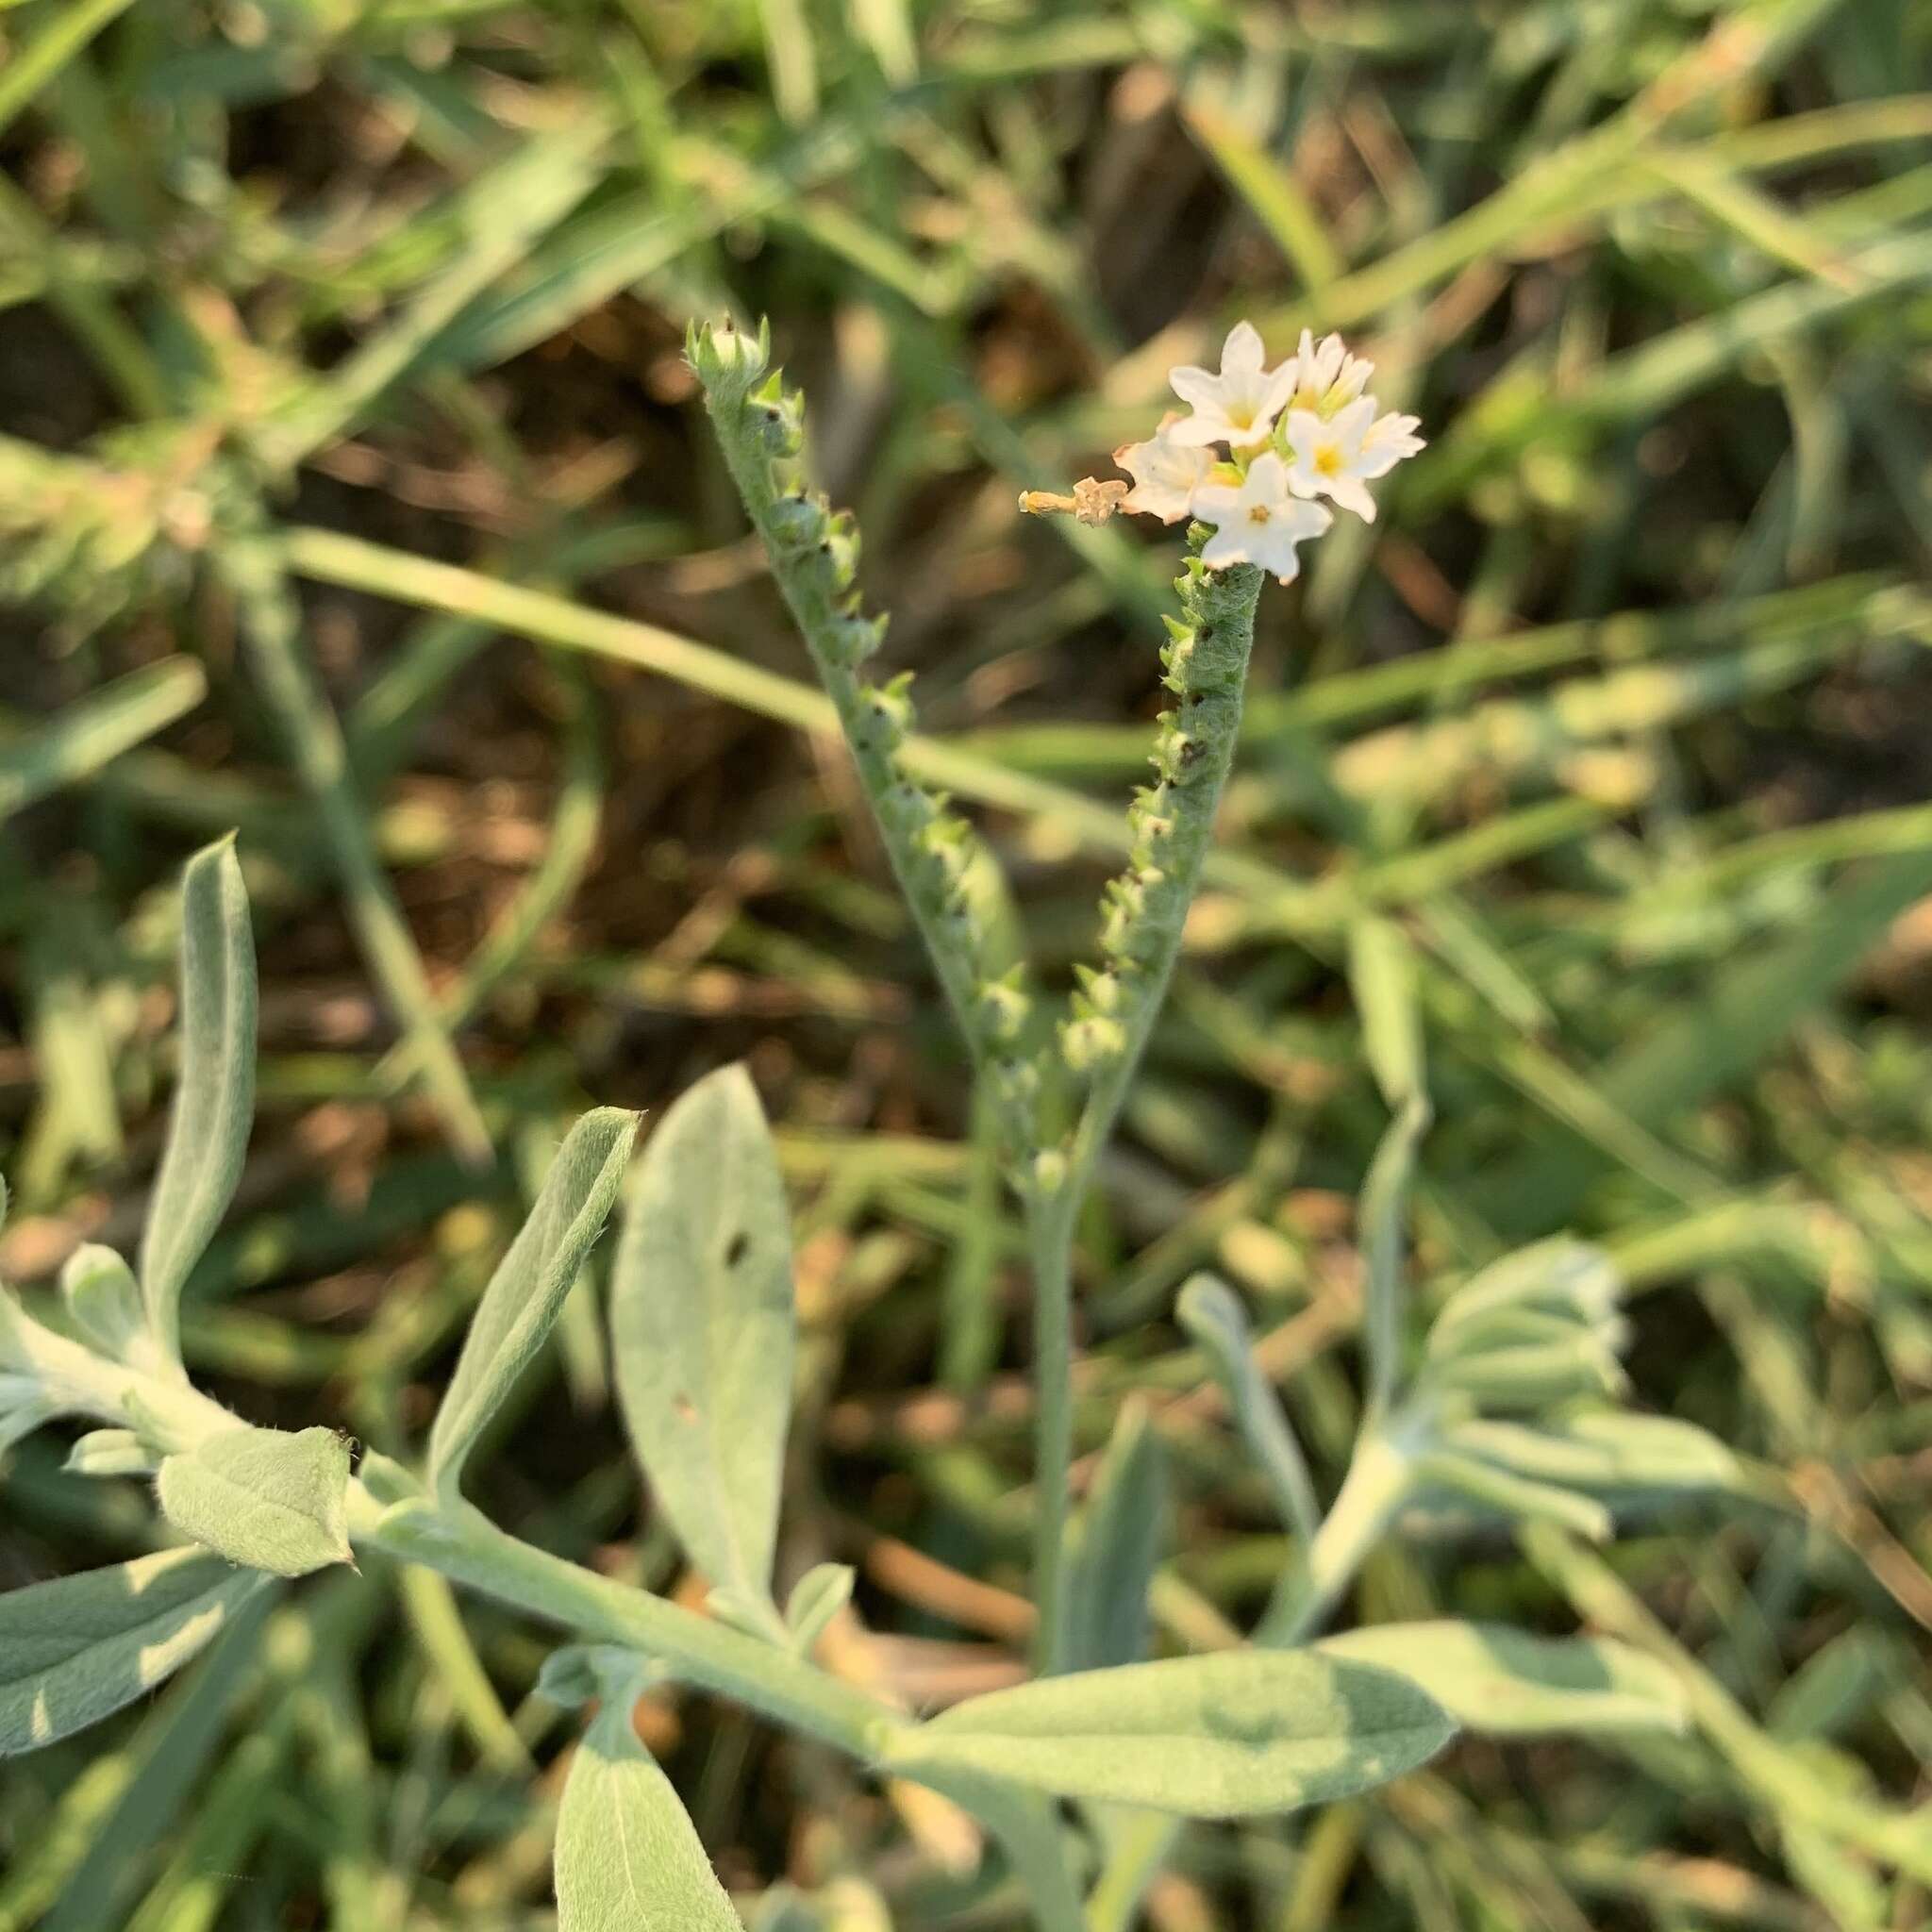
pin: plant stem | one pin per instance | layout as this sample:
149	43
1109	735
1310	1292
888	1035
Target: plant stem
1050	1230
933	852
1146	911
1380	1478
466	1546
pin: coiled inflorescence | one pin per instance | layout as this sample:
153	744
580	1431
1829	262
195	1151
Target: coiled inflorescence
814	552
1171	820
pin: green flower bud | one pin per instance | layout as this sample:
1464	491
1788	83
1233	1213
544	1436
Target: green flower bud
1049	1171
725	358
798	521
1086	1043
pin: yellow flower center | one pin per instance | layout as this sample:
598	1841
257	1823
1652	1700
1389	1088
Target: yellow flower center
1328	459
1241	415
1259	513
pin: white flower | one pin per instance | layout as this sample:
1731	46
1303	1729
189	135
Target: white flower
1166	474
1341	457
1326	376
1259	520
1238	407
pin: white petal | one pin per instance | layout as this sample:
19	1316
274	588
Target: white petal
1217	503
1194	385
1351	492
1277	387
1266	479
1223	548
1244	352
1304	520
1351	424
1303	426
1209	425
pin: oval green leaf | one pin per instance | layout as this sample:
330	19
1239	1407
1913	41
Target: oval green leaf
702	1327
76	1650
1510	1683
264	1497
1232	1735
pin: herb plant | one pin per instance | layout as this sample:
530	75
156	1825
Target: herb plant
1497	1397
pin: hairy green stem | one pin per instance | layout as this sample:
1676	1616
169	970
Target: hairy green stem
1145	914
814	558
1380	1478
465	1546
933	852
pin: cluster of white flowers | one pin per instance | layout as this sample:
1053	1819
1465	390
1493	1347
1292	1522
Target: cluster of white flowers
1302	431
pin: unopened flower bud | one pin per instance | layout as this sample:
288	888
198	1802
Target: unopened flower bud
1086	1043
1049	1171
798	522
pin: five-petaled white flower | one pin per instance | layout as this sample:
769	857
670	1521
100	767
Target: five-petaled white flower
1238	407
1326	376
1166	474
1339	458
1307	429
1259	521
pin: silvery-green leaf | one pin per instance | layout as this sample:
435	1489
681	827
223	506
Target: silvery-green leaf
76	1650
1562	1275
103	1301
1535	1376
1230	1735
1514	1495
1603	1450
264	1497
214	1097
627	1858
1211	1315
816	1598
1117	1543
530	1283
110	1452
701	1316
1510	1683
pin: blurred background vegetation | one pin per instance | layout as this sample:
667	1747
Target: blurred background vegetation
353	493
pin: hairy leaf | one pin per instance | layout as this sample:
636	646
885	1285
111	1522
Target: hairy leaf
1510	1683
104	1302
76	1649
530	1283
627	1858
701	1317
264	1497
1211	1315
1229	1735
109	1452
816	1598
214	1099
1605	1450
